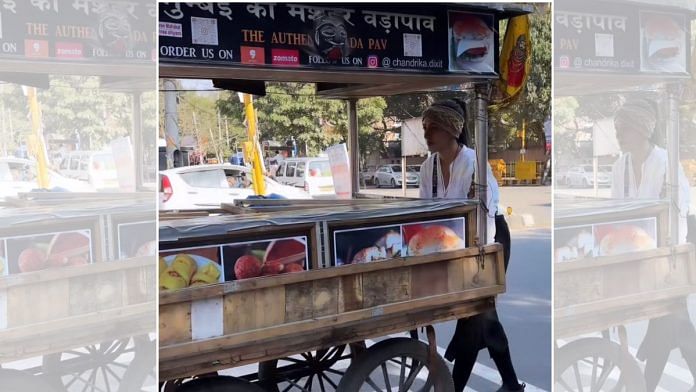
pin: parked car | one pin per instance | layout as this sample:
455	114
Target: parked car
18	175
98	168
208	186
311	174
583	176
390	175
368	175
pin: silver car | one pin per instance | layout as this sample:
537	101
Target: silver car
390	175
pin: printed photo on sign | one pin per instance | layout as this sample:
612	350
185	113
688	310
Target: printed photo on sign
357	246
471	46
413	45
572	243
136	240
424	238
50	250
189	267
204	31
625	237
663	43
254	259
253	55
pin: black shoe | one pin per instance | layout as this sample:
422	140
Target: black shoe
520	388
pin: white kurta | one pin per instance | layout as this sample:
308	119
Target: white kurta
652	183
461	172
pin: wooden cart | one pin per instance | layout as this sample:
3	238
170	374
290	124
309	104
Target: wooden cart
317	313
599	293
85	322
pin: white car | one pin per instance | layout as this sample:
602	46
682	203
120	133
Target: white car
583	176
18	175
390	175
208	186
98	168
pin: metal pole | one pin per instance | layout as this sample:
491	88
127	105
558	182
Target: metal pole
353	147
673	159
403	176
171	121
481	128
138	140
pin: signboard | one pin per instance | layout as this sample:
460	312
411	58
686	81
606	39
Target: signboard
412	38
340	170
620	38
79	30
526	171
412	138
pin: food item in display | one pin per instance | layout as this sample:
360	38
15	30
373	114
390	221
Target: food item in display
433	239
65	246
578	247
626	239
286	251
247	266
470	39
272	268
31	259
171	280
663	38
162	265
372	253
206	275
391	243
78	260
185	266
293	267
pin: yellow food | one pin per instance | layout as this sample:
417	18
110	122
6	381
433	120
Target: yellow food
171	280
162	265
185	266
206	275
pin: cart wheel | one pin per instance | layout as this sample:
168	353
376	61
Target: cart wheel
18	381
219	384
397	363
596	364
311	371
107	366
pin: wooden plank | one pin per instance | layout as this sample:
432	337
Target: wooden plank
350	293
298	301
269	306
249	352
325	297
65	273
174	323
618	259
190	294
455	275
240	312
429	279
35	303
385	288
171	351
97	292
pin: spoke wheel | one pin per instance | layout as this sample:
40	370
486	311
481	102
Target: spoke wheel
596	364
311	371
397	364
113	366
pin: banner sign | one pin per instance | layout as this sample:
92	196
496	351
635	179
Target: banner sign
78	30
410	38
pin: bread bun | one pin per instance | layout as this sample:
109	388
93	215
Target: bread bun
434	239
185	266
626	239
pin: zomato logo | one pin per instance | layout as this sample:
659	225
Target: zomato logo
285	57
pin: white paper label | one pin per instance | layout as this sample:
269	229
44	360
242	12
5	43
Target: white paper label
167	29
206	318
604	45
204	31
413	45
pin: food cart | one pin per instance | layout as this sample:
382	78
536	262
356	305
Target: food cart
77	278
350	270
617	261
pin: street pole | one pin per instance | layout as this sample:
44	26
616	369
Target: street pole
481	128
403	175
138	140
673	159
353	145
171	121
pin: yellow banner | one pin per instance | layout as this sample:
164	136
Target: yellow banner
515	57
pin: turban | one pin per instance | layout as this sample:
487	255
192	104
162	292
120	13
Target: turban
445	116
639	116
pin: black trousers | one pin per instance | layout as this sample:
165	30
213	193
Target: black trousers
483	331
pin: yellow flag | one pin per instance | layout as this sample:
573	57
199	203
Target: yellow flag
515	57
